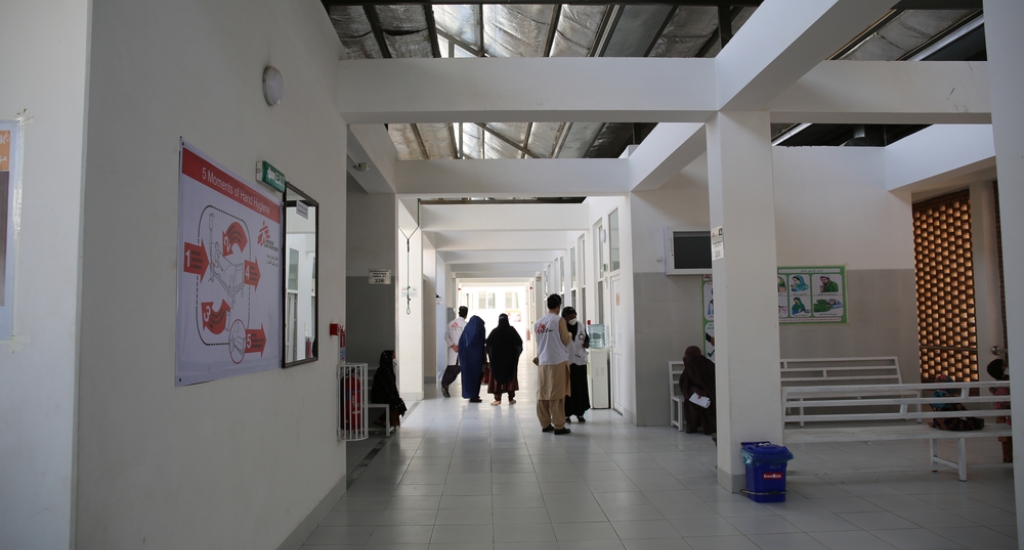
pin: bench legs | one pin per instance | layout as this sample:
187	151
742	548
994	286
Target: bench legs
961	456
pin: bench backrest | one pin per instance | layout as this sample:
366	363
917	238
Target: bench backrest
847	403
675	370
840	371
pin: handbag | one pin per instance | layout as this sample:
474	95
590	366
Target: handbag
485	379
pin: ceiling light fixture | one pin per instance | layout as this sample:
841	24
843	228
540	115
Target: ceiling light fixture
273	85
361	167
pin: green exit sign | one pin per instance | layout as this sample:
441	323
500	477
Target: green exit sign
266	173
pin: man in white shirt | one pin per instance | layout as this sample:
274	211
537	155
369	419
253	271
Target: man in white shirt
451	337
553	338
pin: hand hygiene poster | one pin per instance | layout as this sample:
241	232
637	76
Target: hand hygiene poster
229	273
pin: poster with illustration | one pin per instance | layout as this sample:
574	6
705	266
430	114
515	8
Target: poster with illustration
229	273
813	294
708	317
805	295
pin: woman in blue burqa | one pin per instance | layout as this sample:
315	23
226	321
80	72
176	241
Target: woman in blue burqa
472	357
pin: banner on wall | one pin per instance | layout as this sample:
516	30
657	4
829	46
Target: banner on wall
812	294
708	316
229	318
9	186
805	294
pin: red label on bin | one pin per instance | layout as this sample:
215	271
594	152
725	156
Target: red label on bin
771	475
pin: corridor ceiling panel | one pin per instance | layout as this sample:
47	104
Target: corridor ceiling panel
659	29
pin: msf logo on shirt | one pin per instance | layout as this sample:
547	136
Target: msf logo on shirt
542	328
455	325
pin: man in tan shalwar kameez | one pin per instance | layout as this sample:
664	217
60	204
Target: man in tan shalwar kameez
553	338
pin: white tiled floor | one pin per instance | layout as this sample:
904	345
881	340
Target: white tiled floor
472	476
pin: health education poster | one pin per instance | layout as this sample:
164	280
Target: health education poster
812	294
229	273
708	316
9	186
805	294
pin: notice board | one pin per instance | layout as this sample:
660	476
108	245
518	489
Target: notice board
805	295
230	280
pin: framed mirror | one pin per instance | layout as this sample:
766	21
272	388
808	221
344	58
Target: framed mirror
302	227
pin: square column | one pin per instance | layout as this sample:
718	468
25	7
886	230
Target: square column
409	301
1005	43
746	306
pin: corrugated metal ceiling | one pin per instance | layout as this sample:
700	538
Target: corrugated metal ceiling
565	30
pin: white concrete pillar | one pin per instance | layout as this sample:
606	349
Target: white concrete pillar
1003	19
746	307
409	312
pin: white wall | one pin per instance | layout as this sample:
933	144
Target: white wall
239	462
45	74
681	202
371	242
626	381
832	207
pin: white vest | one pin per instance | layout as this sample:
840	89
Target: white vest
578	353
451	337
550	350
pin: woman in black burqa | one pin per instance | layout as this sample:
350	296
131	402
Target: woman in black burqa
385	388
504	345
698	378
578	401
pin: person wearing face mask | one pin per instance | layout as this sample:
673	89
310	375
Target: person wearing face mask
578	400
385	388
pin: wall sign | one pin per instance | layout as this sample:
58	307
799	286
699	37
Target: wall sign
812	294
805	295
380	277
229	273
708	316
717	244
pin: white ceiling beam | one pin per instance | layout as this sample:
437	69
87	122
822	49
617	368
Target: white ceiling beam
512	276
668	149
455	257
371	144
512	177
940	155
502	240
783	40
502	268
888	92
578	89
490	281
504	217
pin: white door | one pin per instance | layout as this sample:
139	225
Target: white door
615	328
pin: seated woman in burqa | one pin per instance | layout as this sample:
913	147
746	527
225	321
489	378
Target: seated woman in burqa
698	384
504	345
472	357
385	388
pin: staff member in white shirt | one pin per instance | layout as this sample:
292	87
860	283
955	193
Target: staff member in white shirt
553	361
451	337
578	401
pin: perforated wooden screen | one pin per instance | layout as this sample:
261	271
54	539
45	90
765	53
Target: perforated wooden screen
945	288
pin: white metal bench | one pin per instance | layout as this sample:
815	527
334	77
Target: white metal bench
856	398
387	417
804	373
676	397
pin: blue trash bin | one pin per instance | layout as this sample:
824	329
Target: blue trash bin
766	471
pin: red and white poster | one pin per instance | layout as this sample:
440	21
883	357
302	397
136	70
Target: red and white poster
229	273
10	168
